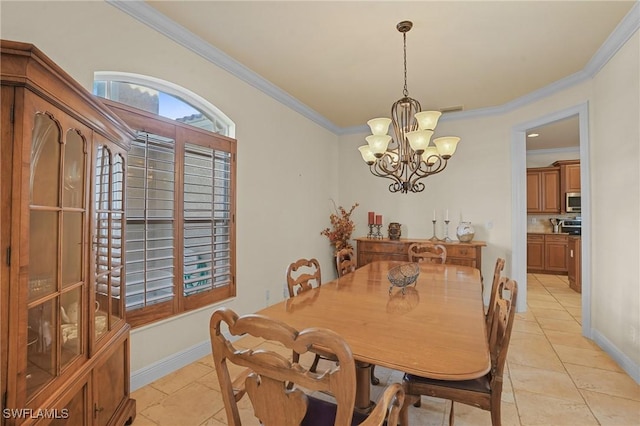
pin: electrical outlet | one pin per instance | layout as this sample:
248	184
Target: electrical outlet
489	224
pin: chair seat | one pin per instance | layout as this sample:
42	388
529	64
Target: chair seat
323	413
481	384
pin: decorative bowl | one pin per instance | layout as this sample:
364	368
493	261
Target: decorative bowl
403	275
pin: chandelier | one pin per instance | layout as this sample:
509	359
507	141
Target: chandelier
412	155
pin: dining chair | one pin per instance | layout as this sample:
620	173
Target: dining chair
345	261
427	252
497	273
484	392
274	401
302	275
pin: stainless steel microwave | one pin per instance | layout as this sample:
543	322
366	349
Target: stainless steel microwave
573	202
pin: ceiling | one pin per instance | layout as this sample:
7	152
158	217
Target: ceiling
344	60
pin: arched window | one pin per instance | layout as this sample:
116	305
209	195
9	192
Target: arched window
162	98
180	197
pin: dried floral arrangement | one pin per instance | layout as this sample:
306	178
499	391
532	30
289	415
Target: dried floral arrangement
341	228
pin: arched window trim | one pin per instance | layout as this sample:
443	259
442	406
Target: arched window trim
173	89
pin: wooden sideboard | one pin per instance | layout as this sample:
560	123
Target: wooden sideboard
465	254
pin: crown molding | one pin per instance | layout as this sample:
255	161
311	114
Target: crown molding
147	15
144	13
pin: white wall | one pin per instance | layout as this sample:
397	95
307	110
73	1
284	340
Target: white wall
283	200
615	180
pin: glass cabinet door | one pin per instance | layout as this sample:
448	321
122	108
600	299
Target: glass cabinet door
109	223
57	231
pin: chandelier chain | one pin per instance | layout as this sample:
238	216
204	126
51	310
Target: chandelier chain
405	91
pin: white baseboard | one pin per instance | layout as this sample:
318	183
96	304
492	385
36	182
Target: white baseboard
159	369
627	364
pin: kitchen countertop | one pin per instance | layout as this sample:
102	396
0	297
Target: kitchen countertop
550	233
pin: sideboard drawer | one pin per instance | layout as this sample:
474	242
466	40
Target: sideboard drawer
378	246
461	251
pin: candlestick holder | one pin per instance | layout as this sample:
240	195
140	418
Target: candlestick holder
446	232
378	234
371	234
434	238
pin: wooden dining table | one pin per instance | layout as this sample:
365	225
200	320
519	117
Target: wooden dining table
434	329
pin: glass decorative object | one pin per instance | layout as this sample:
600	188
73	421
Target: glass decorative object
465	232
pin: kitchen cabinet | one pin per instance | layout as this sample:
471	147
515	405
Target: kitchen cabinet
547	253
569	179
370	250
543	190
535	253
575	263
65	343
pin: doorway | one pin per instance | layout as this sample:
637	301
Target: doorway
519	205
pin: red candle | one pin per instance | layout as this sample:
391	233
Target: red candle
371	218
378	219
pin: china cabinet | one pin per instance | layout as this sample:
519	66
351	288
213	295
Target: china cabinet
65	343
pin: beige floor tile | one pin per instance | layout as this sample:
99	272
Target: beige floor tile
245	410
556	384
586	357
611	410
570	326
603	381
537	409
542	295
147	396
570	339
533	351
191	405
531	327
432	411
181	378
569	301
525	316
143	421
544	304
212	421
551	314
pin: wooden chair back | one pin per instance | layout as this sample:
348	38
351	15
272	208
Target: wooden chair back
302	275
497	273
427	252
500	331
345	261
504	289
271	375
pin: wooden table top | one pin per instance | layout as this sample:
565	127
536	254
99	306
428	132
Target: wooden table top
436	329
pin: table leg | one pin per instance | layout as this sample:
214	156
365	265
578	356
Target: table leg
363	391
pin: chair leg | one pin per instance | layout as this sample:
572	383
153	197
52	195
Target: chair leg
314	365
451	415
374	379
495	414
404	410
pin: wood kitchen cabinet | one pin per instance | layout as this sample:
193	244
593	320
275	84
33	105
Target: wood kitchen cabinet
65	343
535	252
543	190
569	179
575	263
547	253
370	250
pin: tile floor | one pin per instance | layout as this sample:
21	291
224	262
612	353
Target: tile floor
553	377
